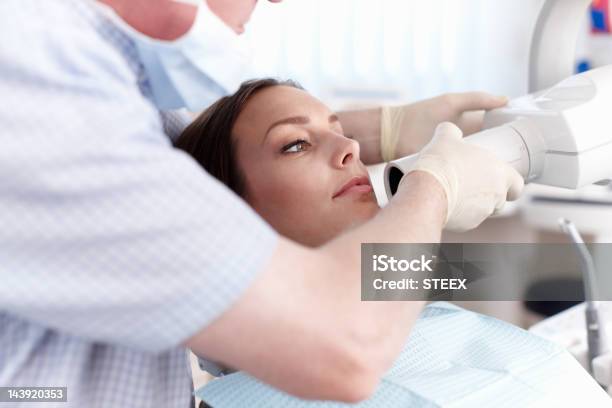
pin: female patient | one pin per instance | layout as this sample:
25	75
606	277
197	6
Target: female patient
285	153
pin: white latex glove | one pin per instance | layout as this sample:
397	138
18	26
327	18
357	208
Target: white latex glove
476	182
406	129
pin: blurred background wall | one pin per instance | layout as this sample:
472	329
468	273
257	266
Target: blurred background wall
365	52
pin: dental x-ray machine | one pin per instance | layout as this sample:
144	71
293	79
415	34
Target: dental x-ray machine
560	134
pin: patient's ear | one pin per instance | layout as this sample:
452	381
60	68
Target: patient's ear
160	19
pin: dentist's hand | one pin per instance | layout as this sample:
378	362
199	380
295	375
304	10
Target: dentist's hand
406	129
476	182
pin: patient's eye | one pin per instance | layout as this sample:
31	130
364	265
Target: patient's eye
296	147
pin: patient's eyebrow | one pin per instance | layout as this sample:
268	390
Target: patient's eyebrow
294	120
297	120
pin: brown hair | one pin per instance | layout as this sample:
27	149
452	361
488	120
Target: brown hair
209	138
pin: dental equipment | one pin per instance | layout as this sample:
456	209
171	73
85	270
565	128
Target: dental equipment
596	341
559	137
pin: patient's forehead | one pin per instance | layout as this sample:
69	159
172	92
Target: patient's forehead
272	104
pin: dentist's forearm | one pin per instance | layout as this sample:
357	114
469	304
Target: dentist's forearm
364	127
379	329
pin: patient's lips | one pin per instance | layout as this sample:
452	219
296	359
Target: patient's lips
356	185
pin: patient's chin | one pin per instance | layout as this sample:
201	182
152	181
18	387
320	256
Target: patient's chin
365	207
369	198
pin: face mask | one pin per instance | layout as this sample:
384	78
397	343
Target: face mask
195	70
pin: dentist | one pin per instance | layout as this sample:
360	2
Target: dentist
106	277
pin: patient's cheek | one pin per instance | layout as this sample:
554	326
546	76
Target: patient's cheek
289	198
277	194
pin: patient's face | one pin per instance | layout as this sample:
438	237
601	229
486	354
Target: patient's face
301	173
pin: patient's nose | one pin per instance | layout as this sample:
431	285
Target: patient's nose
346	151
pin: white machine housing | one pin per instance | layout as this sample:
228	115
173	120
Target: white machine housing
559	137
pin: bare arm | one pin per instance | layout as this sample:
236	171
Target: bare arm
302	326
